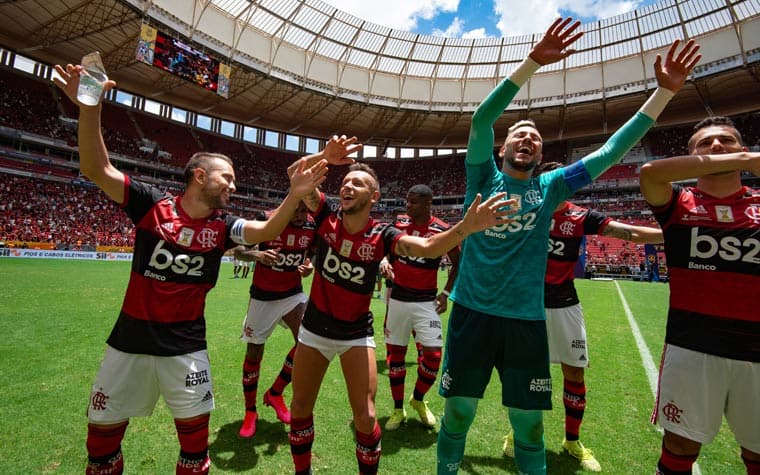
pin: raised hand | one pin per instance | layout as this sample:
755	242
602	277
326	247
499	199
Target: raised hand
304	180
491	212
673	72
69	82
553	45
338	149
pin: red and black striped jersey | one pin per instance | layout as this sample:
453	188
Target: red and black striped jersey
176	262
415	279
568	227
712	246
282	279
345	273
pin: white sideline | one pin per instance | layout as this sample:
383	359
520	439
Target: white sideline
646	357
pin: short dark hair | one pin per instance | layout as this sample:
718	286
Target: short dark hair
711	121
200	160
363	167
421	190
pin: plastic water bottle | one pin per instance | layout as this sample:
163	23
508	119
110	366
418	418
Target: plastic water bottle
92	80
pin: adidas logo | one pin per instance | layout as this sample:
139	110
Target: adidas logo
698	210
207	397
582	358
168	226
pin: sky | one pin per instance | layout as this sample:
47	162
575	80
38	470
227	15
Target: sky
481	18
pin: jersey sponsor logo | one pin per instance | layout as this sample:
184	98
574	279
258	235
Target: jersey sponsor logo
533	197
207	238
163	259
724	214
185	237
540	385
197	378
556	247
522	222
333	268
567	228
290	260
578	344
672	413
753	213
727	248
99	400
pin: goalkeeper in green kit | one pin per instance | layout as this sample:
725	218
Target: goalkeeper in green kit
497	320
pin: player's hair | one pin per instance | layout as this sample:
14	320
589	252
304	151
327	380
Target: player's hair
714	120
546	167
521	123
421	190
363	167
201	160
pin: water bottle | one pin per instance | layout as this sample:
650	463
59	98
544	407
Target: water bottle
92	80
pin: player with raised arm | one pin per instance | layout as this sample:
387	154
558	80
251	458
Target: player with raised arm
498	296
710	365
338	321
565	325
158	345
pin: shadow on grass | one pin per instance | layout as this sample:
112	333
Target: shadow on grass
231	452
557	463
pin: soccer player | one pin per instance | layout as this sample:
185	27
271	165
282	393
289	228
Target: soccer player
338	321
711	361
498	295
276	297
565	326
415	306
158	346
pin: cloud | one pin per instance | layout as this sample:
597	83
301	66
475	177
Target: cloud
512	13
397	14
456	30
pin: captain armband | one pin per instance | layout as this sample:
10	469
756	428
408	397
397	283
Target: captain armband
236	232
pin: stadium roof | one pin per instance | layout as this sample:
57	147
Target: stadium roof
304	67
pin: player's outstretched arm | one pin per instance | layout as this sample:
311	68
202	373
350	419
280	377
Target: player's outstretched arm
657	176
671	76
93	155
553	47
304	180
480	215
637	234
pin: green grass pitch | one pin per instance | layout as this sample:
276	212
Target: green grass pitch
55	316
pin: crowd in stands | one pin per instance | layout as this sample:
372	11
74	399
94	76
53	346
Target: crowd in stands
69	215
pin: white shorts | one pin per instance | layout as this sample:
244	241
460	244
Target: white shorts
128	385
403	317
263	315
566	331
696	389
329	347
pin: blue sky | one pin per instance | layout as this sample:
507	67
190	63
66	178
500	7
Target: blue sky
481	18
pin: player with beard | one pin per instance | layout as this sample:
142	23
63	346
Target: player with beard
710	365
158	345
565	326
415	306
276	297
338	321
498	295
